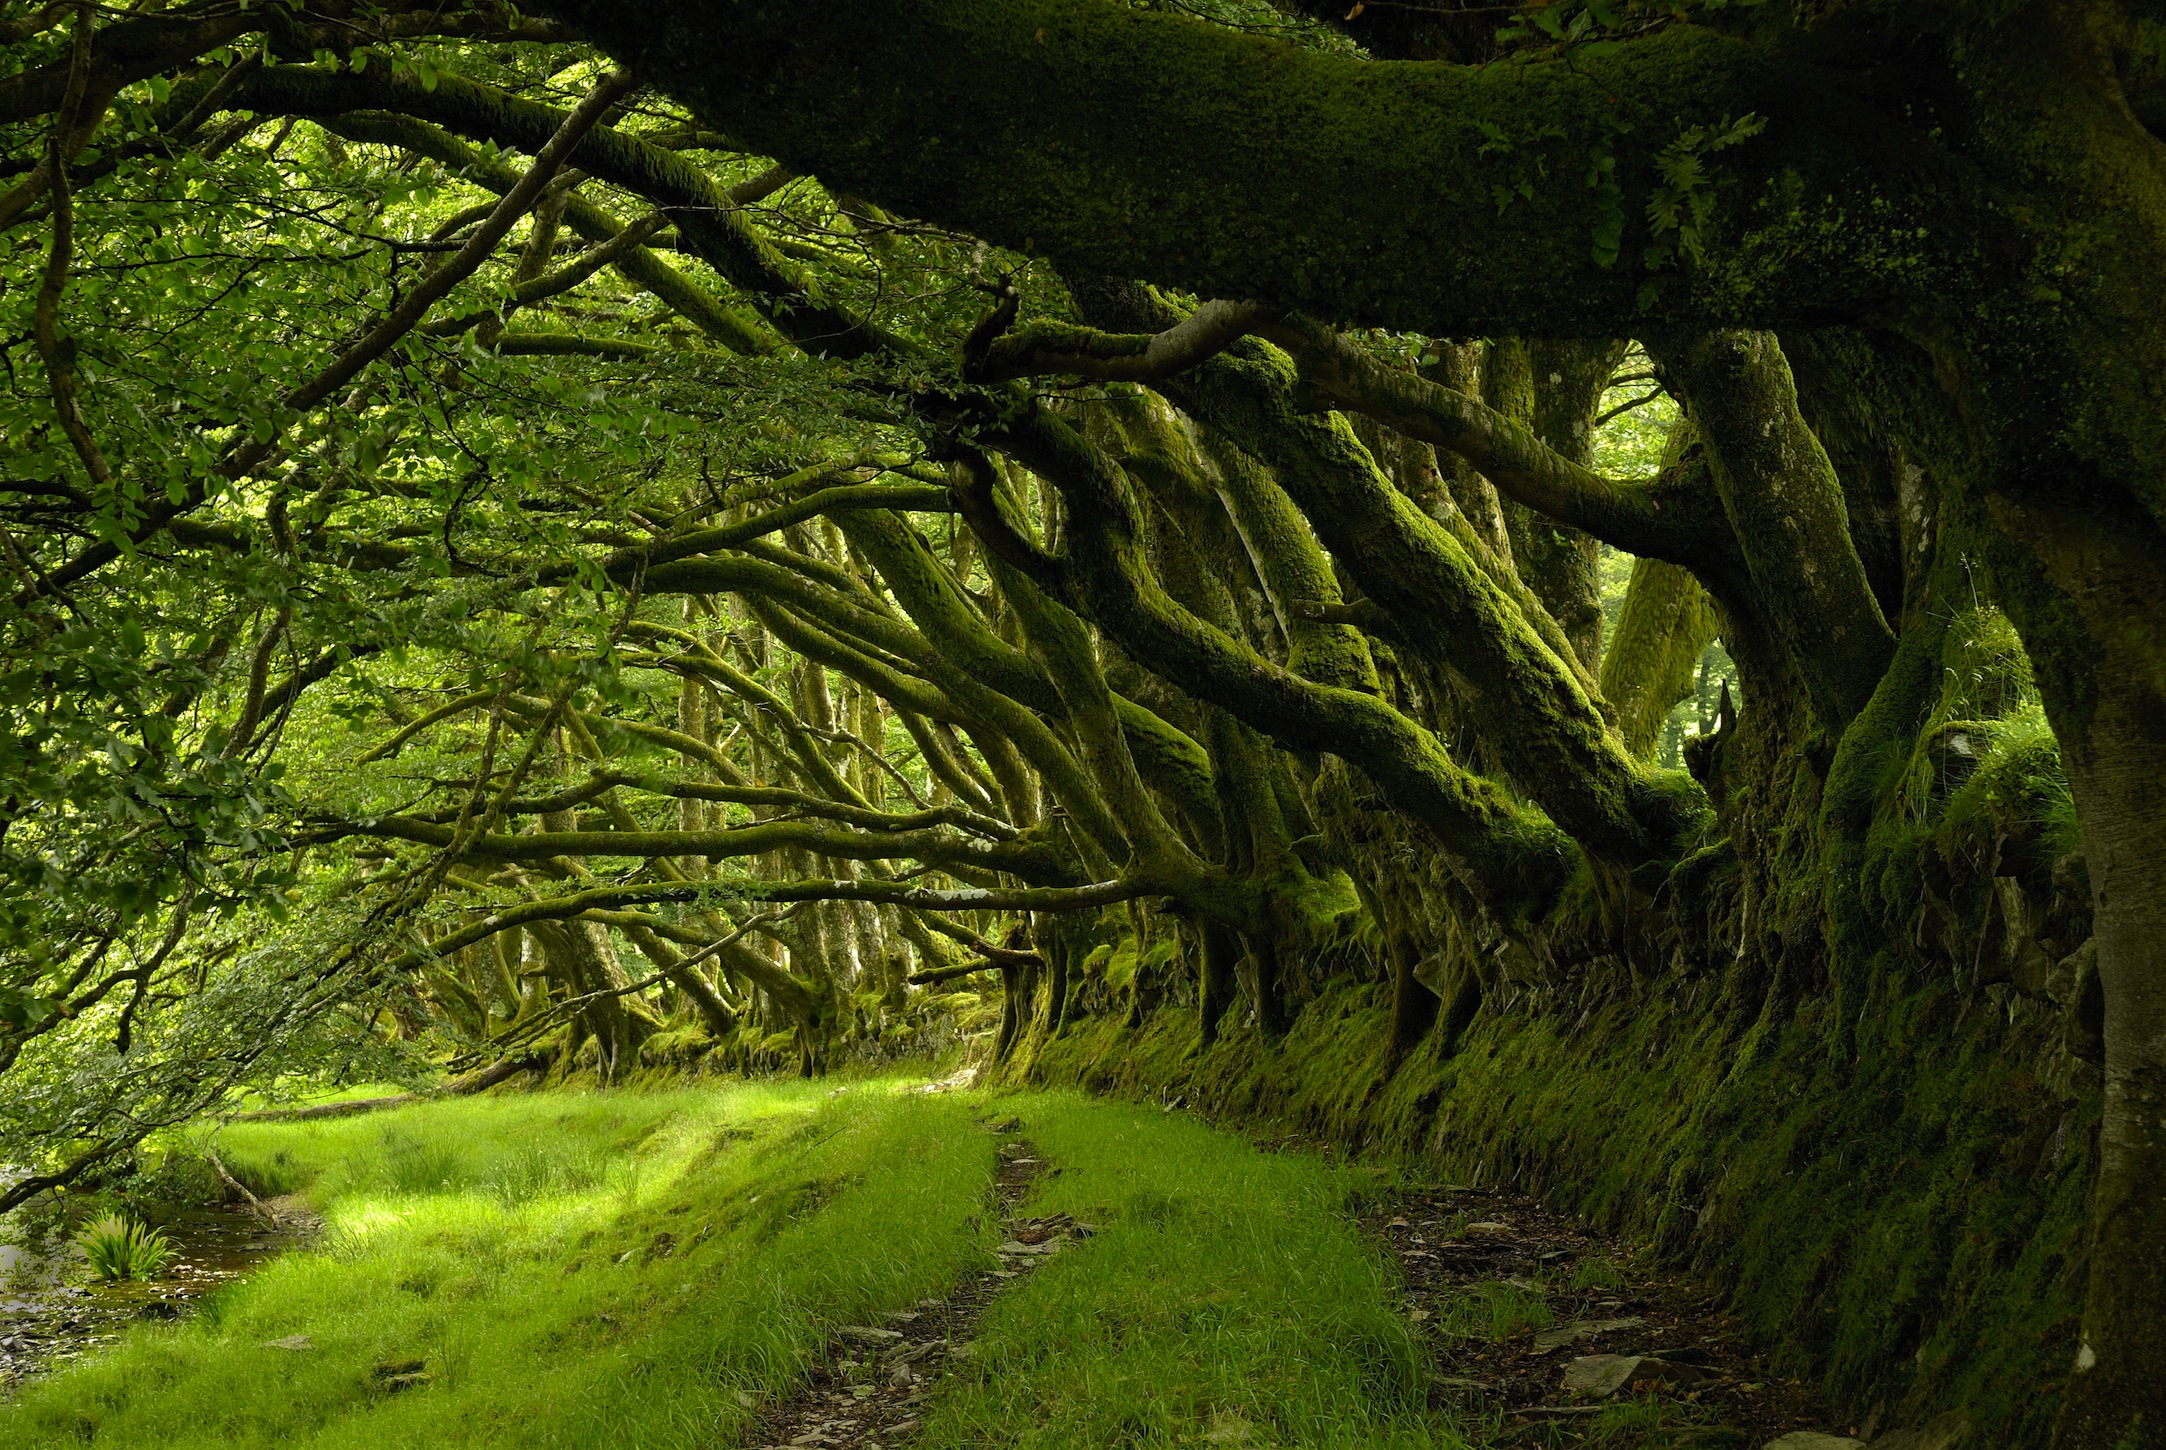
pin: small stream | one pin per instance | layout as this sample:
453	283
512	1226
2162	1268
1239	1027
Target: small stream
53	1311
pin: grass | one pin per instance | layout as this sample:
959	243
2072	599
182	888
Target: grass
644	1269
1599	1272
1493	1309
569	1270
1226	1299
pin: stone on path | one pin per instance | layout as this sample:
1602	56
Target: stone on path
1601	1375
1228	1428
865	1334
1559	1337
1814	1440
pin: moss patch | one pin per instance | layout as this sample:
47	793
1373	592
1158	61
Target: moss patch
1902	1224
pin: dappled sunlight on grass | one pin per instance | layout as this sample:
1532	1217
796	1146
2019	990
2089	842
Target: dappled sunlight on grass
556	1270
651	1269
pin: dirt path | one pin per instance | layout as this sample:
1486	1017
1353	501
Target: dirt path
867	1393
1539	1324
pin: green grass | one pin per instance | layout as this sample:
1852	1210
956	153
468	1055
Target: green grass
301	1094
1226	1299
640	1269
611	1269
1492	1309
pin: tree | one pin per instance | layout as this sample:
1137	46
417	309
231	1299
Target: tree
1068	481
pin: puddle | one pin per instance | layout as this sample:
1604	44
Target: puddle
52	1312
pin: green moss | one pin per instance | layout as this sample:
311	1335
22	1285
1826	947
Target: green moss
1901	1224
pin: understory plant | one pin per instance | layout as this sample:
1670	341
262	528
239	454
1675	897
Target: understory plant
119	1248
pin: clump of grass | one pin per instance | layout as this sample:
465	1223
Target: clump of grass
1598	1273
547	1170
119	1248
1496	1310
1629	1422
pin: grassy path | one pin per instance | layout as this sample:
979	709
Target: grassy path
662	1270
1225	1300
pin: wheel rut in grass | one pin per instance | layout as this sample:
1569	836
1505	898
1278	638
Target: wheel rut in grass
1546	1334
867	1392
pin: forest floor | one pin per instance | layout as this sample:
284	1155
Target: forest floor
874	1264
1538	1324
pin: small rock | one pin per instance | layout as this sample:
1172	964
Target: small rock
291	1341
1942	1432
905	1427
1399	1223
1017	1246
866	1334
1558	1338
901	1316
1004	1125
1814	1440
1418	1315
1599	1376
1228	1428
1489	1227
1610	1326
392	1369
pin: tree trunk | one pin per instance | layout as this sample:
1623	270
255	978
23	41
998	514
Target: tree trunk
1216	986
2117	1396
